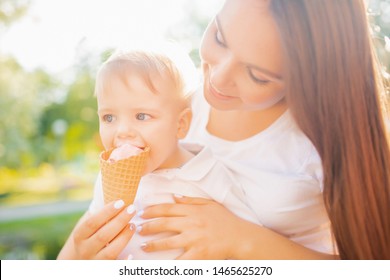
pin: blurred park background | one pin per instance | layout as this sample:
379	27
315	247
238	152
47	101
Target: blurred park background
49	142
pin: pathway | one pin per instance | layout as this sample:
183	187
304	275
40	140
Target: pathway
40	210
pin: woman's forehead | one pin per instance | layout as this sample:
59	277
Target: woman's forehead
251	33
258	6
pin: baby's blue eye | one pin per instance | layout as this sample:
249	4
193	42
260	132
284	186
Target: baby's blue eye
108	118
142	116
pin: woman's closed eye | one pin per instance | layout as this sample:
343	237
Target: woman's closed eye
256	78
219	39
143	116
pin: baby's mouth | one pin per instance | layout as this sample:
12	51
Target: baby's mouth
135	145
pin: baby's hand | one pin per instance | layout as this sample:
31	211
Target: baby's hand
105	234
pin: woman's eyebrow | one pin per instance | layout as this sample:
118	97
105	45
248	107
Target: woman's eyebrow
218	23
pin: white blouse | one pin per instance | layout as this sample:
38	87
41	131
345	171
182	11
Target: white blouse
281	175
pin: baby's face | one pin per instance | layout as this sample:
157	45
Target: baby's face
129	112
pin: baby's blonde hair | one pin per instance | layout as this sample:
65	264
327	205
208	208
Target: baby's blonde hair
167	59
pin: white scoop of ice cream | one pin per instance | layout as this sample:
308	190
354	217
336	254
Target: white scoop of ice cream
124	151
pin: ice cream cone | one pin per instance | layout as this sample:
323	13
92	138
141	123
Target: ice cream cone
120	179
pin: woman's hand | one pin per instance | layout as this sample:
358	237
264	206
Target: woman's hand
206	229
102	235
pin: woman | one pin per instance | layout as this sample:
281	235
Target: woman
332	87
263	60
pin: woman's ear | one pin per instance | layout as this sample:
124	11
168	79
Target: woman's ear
184	123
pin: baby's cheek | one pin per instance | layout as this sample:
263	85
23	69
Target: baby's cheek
150	166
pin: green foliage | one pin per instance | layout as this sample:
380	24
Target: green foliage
43	120
11	10
40	238
23	99
379	11
70	127
190	30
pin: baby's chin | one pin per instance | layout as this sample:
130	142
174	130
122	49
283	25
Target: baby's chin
155	165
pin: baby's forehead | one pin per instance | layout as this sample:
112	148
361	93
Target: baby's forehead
159	83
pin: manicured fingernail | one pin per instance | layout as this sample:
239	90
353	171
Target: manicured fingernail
119	204
130	257
132	227
143	246
139	228
178	195
130	209
140	213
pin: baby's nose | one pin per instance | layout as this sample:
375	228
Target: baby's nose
126	130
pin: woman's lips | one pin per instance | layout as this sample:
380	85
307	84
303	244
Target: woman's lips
218	94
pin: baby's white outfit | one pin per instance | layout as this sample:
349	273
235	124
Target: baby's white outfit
202	176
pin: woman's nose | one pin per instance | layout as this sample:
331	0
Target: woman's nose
222	74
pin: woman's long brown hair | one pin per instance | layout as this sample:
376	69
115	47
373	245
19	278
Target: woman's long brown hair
333	90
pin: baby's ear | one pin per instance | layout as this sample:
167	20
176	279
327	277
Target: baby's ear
184	123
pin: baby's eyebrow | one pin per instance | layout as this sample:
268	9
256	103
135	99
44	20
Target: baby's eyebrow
147	110
103	110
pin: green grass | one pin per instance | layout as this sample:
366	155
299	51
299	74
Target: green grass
39	238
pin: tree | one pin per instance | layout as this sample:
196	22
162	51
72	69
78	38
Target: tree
379	11
11	10
23	97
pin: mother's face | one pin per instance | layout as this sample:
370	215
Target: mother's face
242	57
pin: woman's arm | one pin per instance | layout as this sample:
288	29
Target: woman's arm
207	230
100	236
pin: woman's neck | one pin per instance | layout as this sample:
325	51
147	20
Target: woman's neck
240	125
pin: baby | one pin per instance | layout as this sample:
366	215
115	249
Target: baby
144	100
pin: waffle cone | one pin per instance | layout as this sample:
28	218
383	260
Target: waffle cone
120	179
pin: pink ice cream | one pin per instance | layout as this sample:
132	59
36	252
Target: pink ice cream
124	151
122	169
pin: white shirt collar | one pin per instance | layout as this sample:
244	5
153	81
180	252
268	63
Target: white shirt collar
194	170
